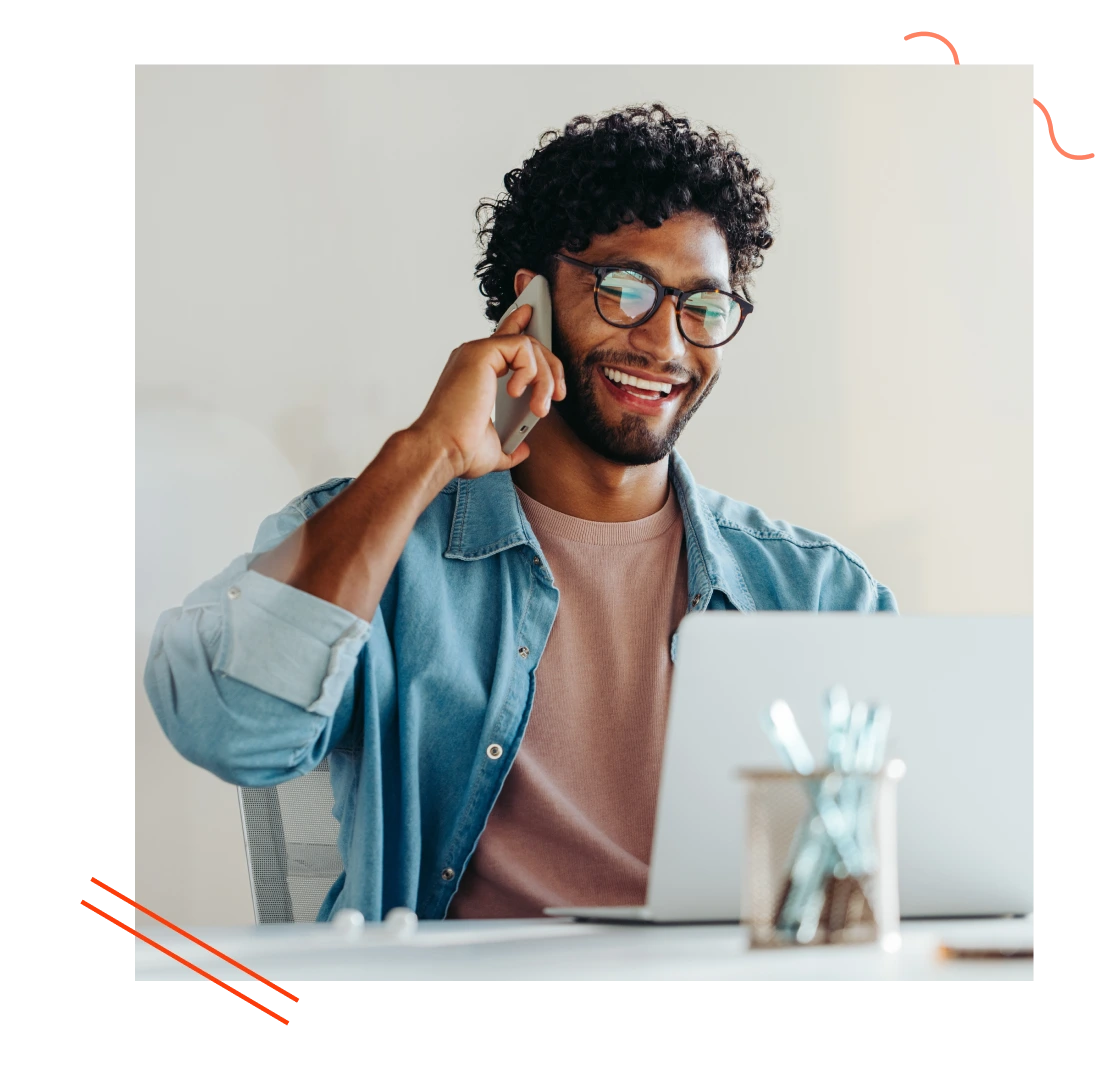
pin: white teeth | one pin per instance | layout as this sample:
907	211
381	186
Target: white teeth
637	383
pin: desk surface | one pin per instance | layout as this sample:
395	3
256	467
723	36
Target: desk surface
562	949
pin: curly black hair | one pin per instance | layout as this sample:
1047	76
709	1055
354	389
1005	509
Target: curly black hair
640	163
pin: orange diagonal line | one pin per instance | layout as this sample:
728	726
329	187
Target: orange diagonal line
185	963
191	937
1051	132
935	36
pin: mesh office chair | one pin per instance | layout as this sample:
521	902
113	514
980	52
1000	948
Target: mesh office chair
290	838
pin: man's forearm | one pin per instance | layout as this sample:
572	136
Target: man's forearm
347	551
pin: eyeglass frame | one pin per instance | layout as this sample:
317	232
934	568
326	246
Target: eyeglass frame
661	291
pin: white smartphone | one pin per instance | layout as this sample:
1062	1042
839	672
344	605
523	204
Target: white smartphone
513	418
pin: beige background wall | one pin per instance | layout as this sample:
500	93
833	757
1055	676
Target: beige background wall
881	392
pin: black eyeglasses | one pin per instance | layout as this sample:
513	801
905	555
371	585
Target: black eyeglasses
624	297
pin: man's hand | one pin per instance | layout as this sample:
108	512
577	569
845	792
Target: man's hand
457	417
346	552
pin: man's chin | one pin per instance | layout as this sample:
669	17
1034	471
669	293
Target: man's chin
626	437
629	442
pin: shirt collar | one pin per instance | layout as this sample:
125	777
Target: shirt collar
488	518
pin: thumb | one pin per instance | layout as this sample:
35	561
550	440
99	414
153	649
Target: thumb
516	321
507	462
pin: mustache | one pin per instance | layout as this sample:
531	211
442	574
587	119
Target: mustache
630	359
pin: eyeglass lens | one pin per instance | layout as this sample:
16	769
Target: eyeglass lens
707	318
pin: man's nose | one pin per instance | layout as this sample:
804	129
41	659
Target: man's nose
659	337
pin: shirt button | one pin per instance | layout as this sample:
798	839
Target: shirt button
523	652
696	600
537	561
447	874
233	593
495	751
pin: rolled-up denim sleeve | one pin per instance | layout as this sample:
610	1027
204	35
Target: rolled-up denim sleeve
252	678
286	642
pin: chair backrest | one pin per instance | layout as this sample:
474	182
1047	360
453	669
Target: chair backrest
290	837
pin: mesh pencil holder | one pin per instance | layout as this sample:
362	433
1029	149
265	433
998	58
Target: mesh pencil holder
821	863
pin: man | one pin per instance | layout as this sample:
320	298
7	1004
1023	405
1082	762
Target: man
402	622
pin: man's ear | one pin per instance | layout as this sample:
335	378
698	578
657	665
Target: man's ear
521	279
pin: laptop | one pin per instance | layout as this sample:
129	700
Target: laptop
960	693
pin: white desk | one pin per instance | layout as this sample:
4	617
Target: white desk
561	949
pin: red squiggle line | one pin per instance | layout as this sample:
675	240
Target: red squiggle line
239	966
1055	143
221	985
1051	132
937	36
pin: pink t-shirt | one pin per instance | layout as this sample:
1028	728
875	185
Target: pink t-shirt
574	820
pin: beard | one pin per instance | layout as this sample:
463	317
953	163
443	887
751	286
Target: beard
630	441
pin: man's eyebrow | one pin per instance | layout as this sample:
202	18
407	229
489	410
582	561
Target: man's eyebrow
705	282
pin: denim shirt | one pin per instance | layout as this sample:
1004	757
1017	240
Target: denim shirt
257	681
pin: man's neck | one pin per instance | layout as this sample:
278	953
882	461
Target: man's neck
564	474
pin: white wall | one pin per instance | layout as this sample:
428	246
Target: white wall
880	393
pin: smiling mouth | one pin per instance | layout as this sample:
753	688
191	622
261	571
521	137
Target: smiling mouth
653	393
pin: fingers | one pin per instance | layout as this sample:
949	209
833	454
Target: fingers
543	386
557	369
516	321
525	365
532	363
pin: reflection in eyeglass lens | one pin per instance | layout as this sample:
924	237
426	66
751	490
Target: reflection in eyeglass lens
625	297
708	318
